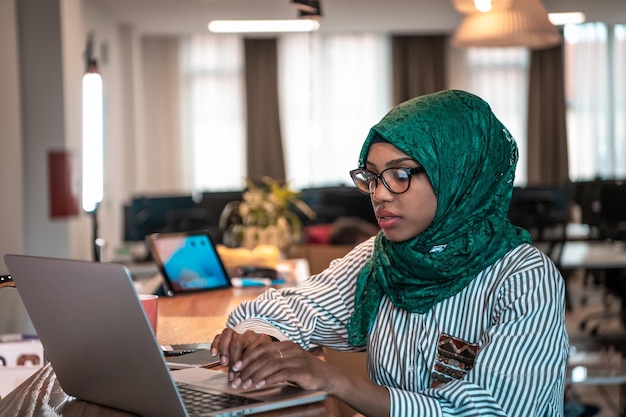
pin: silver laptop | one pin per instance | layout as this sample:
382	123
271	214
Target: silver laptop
103	350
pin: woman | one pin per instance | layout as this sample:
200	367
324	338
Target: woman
460	315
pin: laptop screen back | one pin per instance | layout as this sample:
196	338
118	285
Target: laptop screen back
95	333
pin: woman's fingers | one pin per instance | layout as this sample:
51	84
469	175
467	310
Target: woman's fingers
278	362
230	345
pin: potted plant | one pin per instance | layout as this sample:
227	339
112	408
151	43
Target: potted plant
267	214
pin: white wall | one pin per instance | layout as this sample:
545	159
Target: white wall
42	45
35	108
11	204
43	120
13	317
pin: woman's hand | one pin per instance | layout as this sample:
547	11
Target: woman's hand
230	345
255	361
278	362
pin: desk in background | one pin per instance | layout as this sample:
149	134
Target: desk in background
606	257
592	254
192	318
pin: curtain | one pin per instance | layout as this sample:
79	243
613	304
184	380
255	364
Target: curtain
419	65
158	150
547	136
265	149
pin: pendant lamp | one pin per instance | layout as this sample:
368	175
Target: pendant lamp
473	6
521	23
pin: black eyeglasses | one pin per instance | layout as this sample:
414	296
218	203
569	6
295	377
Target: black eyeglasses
396	180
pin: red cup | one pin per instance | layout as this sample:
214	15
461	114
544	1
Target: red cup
150	305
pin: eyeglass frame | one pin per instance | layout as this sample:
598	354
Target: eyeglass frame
409	171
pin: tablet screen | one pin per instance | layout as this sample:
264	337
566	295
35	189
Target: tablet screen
188	262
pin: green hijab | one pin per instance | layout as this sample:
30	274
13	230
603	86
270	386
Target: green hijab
470	158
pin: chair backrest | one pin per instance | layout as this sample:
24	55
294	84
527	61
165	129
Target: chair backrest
537	208
613	209
602	206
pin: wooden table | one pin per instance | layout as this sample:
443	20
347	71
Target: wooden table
193	318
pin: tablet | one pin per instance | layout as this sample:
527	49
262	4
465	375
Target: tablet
188	262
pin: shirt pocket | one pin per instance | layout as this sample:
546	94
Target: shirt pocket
455	358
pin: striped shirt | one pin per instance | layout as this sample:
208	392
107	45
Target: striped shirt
497	348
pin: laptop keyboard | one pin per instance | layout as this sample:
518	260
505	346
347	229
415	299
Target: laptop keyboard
198	402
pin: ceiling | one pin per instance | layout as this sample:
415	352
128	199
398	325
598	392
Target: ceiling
416	16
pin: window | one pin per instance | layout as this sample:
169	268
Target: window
500	77
334	88
619	99
214	112
595	62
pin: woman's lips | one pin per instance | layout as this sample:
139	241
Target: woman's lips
386	219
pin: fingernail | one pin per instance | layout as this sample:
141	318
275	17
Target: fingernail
231	375
237	366
214	351
260	384
236	383
223	360
247	384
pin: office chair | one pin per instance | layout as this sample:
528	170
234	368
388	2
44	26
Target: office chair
544	212
576	409
603	206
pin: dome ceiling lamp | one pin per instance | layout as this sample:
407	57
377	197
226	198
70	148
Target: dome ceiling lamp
503	23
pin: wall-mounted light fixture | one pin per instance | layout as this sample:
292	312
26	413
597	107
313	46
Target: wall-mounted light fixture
93	142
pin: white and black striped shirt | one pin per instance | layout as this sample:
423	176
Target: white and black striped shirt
508	323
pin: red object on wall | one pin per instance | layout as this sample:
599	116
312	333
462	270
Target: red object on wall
62	194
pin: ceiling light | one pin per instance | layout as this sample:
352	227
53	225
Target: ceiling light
482	5
263	26
472	6
523	24
560	19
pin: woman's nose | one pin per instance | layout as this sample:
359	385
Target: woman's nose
381	193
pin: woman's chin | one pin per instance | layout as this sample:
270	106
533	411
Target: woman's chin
395	235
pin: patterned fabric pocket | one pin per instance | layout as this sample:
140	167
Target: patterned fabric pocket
455	358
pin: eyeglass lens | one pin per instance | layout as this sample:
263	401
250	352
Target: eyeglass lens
396	180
